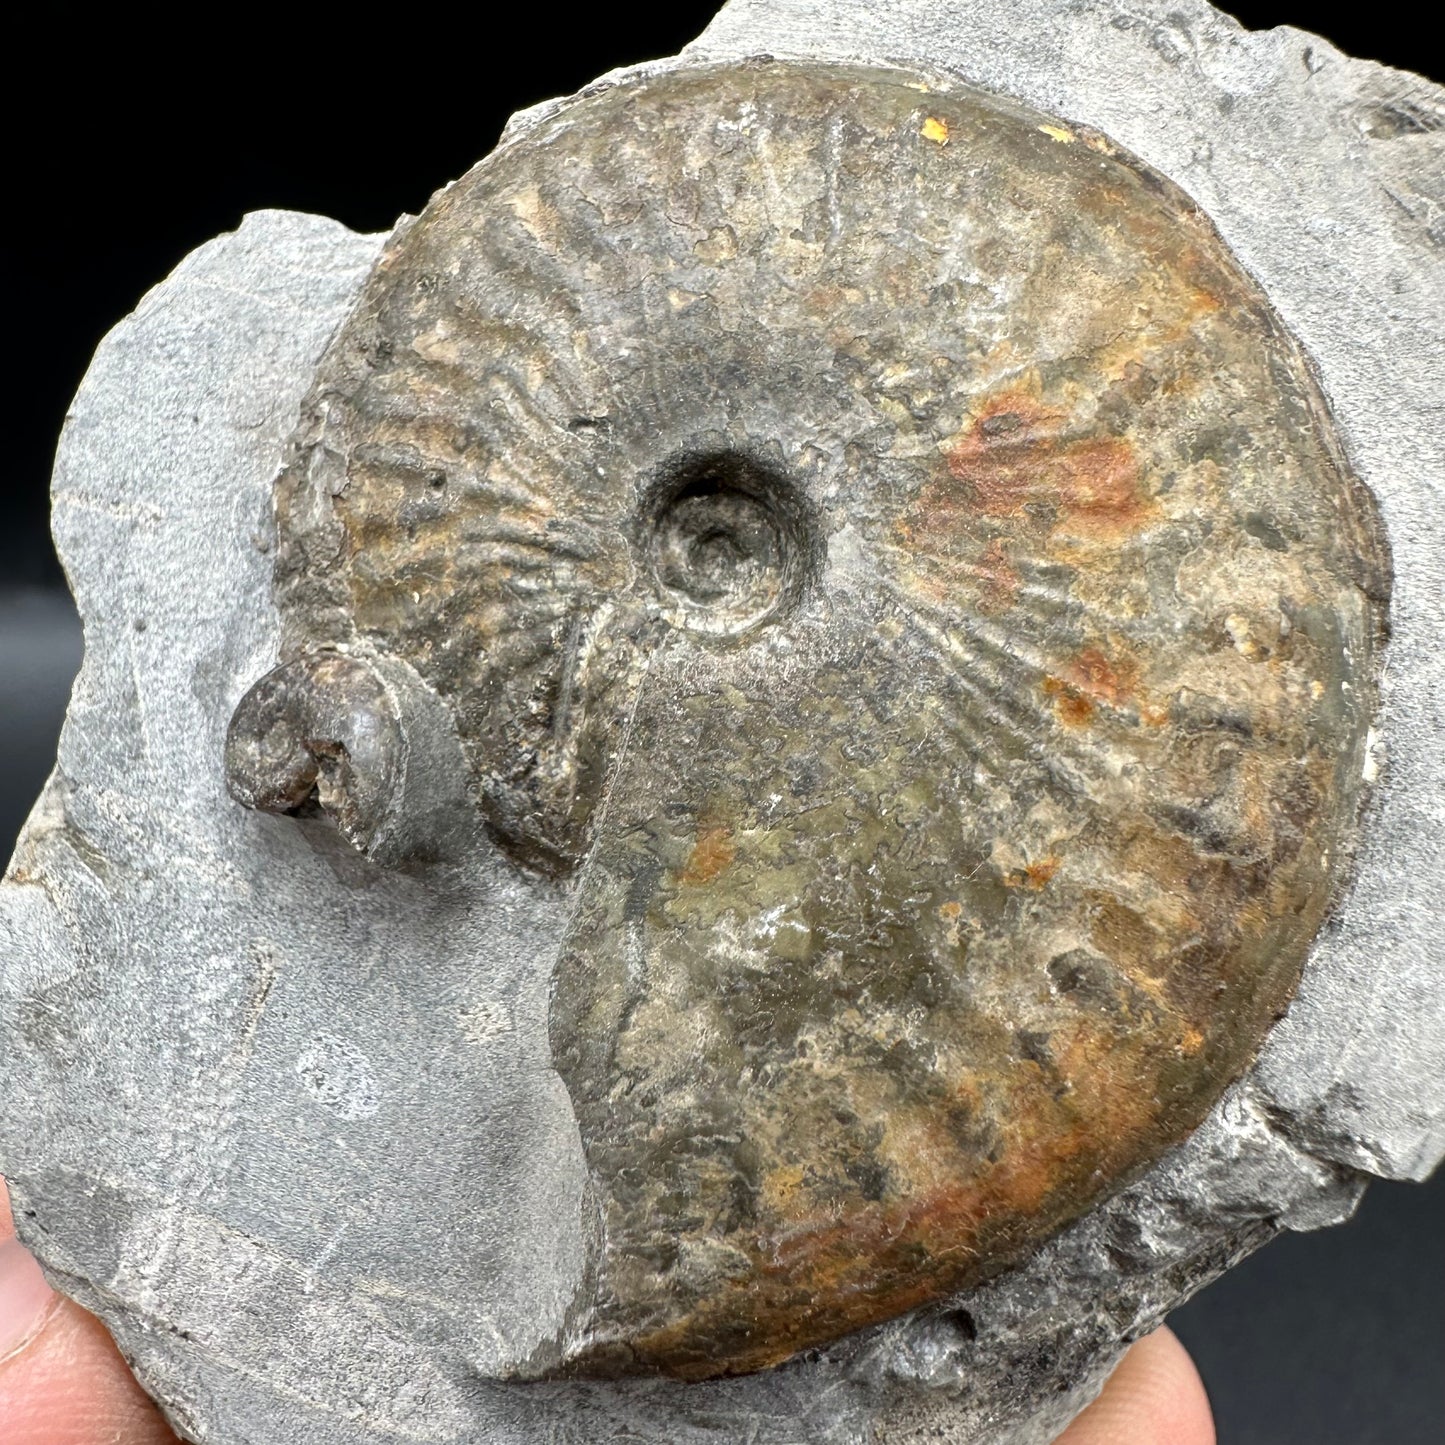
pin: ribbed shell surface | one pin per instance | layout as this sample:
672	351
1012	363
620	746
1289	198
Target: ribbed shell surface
884	557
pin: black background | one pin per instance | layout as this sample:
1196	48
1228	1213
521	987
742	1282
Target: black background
129	142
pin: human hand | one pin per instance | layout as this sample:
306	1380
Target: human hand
62	1381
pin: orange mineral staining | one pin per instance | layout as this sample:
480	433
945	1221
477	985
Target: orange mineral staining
712	853
1018	454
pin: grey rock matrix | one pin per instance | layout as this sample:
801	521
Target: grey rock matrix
291	1124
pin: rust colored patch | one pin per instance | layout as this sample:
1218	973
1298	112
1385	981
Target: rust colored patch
1041	871
1102	678
1019	458
1035	875
1091	678
1072	707
1101	488
713	852
1000	456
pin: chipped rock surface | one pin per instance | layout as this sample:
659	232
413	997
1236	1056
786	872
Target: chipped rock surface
290	1122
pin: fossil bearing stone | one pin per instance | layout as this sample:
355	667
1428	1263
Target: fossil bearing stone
719	860
885	559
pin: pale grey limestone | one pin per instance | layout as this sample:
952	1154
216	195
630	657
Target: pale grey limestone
289	1121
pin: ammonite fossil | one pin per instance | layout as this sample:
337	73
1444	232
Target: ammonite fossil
885	562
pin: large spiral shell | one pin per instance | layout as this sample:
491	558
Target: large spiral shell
882	555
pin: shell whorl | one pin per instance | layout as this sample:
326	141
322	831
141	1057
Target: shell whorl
882	553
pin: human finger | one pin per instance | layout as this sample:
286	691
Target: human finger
62	1380
1154	1397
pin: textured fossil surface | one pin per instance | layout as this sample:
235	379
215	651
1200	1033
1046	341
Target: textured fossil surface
888	565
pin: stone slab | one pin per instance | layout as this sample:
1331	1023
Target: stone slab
247	1085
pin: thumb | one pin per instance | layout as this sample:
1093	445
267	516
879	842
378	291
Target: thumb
62	1381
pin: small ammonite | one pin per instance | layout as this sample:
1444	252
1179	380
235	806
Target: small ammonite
883	556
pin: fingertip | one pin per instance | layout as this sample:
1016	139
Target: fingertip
26	1300
1154	1397
62	1380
